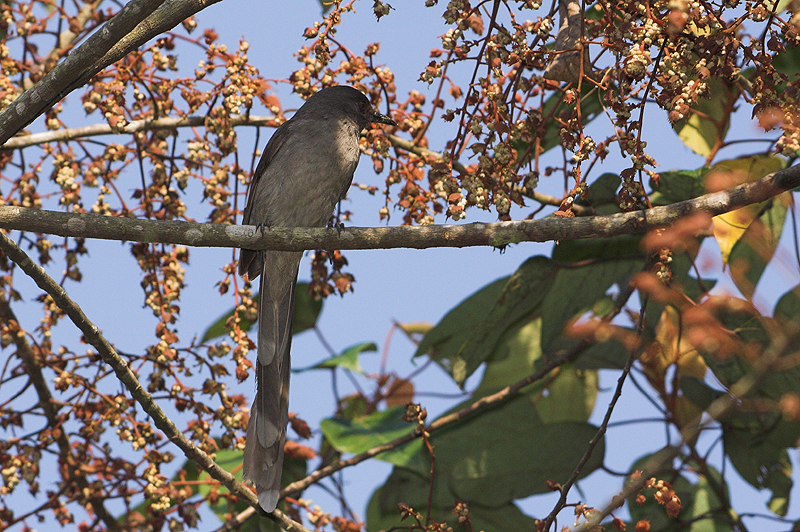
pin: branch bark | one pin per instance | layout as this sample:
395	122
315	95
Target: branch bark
418	237
138	22
72	73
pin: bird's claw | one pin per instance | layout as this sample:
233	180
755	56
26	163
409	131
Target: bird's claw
333	224
263	226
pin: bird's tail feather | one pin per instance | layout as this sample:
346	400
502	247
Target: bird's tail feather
266	431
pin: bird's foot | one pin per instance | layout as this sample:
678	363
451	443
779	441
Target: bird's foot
333	223
263	226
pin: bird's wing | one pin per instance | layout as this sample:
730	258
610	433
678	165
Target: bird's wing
266	431
250	262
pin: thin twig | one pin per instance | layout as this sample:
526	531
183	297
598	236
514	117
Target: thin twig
33	367
782	344
562	500
94	130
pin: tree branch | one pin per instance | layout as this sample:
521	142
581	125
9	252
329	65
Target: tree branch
417	237
782	345
92	336
33	368
64	135
73	72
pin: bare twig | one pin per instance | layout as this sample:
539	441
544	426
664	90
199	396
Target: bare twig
64	135
33	367
70	74
784	343
562	500
92	336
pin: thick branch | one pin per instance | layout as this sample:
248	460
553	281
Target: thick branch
474	234
170	14
62	79
92	335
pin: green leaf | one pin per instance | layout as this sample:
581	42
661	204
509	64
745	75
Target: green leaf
762	463
512	462
787	62
611	354
704	511
698	392
306	309
522	294
516	355
366	432
509	454
575	290
682	266
754	249
567	394
603	190
306	312
751	328
787	309
704	129
443	341
755	439
570	396
347	359
678	185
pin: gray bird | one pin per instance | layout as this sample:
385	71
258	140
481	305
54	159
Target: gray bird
304	172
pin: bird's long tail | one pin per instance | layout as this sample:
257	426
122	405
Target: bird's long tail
266	431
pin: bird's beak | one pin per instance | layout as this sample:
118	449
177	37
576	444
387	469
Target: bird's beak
378	118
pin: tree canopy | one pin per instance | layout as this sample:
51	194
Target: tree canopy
550	112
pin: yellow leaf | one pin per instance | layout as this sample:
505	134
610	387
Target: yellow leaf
706	125
729	227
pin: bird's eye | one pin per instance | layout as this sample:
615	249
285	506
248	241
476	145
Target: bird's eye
362	106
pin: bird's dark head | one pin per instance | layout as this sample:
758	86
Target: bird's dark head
350	102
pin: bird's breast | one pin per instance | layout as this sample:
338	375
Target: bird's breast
307	179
